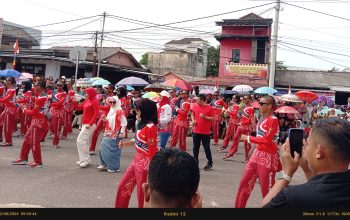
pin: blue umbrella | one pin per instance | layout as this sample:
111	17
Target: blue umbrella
100	82
10	73
265	90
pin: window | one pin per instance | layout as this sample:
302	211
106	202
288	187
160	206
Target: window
236	55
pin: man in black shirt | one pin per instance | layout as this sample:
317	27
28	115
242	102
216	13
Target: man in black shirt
325	162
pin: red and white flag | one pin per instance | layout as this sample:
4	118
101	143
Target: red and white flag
16	47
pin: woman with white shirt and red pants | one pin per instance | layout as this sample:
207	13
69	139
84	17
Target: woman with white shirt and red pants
145	142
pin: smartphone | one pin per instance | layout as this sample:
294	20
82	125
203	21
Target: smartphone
296	136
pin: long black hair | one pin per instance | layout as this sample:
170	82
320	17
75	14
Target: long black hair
148	110
27	86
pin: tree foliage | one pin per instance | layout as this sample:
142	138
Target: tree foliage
213	61
144	59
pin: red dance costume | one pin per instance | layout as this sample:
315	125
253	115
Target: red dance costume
180	126
263	164
136	174
57	114
232	125
9	115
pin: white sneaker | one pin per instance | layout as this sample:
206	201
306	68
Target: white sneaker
84	164
78	162
92	152
112	171
102	167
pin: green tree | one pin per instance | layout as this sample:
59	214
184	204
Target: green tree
144	59
213	61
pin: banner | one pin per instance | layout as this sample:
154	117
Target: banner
246	70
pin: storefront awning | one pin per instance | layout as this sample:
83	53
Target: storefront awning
339	88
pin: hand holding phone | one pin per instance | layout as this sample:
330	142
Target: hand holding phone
296	136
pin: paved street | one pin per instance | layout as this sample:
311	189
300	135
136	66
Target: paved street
61	183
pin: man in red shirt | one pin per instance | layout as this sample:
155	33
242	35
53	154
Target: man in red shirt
264	162
202	116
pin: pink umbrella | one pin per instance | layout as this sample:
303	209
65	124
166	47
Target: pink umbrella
206	91
287	110
26	76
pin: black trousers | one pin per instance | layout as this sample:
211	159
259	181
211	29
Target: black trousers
205	138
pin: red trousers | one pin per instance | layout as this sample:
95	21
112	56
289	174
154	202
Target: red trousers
67	123
215	125
99	127
179	133
261	165
32	141
56	123
136	174
237	138
7	119
230	134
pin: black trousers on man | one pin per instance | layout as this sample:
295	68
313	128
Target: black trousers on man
205	138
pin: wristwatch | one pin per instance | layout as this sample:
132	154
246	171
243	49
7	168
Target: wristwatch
283	175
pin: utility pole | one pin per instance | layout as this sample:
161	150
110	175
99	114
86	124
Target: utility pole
274	45
100	52
95	55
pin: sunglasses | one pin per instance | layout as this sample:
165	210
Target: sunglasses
263	103
112	102
59	85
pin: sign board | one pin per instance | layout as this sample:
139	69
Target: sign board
248	70
79	52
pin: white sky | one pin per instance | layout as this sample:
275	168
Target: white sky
298	28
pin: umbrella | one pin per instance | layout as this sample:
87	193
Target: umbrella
229	92
178	83
10	73
242	89
265	90
290	97
206	91
150	95
306	96
287	110
132	81
91	80
26	76
100	82
156	87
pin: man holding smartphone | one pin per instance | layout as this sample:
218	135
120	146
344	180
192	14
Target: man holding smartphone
264	162
325	161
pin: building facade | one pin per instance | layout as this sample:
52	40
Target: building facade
187	56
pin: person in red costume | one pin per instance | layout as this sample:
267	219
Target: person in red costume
244	127
264	162
57	111
145	142
8	116
125	102
218	106
68	111
104	109
25	100
37	127
232	123
2	108
181	123
90	112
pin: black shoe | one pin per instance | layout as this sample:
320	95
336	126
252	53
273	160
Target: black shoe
208	167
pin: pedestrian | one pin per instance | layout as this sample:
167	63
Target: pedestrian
37	127
173	181
164	112
90	111
115	125
202	116
325	162
264	162
181	122
145	142
9	115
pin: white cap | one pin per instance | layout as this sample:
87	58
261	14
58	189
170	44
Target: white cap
164	93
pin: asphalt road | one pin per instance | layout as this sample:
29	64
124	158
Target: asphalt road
62	184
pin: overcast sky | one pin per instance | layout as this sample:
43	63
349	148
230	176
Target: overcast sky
303	34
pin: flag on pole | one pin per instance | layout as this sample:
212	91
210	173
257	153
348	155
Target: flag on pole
15	51
16	47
